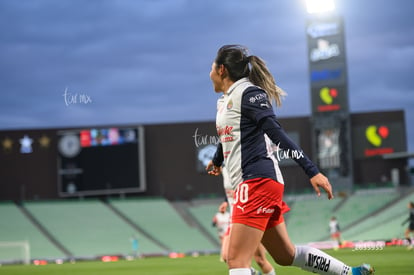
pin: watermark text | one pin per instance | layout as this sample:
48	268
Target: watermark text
75	98
201	140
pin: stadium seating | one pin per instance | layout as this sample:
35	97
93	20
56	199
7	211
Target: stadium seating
308	218
15	227
88	228
203	212
383	225
361	204
158	217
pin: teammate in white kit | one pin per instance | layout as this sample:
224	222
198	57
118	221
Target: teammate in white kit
244	115
335	230
221	221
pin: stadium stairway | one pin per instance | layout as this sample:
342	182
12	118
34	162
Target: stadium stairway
134	225
203	210
384	223
307	221
160	218
364	205
16	226
45	232
359	206
89	229
184	210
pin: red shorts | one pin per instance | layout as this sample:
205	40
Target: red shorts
259	203
335	235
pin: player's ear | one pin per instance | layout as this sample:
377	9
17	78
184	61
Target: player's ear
222	70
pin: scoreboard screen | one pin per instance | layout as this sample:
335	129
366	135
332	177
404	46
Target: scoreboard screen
99	161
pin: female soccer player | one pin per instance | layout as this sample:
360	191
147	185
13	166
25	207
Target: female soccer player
410	229
335	230
221	220
260	253
244	115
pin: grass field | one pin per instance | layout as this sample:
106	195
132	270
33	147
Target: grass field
390	261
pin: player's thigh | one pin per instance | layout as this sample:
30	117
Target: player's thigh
243	242
278	244
225	247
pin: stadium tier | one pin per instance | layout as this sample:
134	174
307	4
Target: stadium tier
364	215
89	228
14	228
307	221
92	228
161	220
384	225
203	213
361	204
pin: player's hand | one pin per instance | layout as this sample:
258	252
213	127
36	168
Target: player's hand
320	181
223	206
212	169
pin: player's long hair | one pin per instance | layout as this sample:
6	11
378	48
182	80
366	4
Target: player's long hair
240	64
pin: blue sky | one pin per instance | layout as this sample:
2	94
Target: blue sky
148	61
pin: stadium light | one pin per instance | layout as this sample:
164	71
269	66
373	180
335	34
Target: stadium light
320	6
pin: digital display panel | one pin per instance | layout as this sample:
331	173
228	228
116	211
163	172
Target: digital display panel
329	98
376	139
325	40
96	161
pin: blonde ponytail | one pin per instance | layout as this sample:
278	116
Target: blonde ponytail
260	76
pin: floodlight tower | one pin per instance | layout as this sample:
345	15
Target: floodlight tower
329	93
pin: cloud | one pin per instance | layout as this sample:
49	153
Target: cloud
148	61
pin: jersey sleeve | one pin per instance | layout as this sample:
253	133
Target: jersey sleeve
279	137
256	104
218	156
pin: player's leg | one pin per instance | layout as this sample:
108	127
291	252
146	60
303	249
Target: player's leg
262	262
278	244
411	236
224	247
407	234
339	238
243	242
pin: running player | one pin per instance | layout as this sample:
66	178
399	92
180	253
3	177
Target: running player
335	231
244	115
221	221
410	229
260	253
